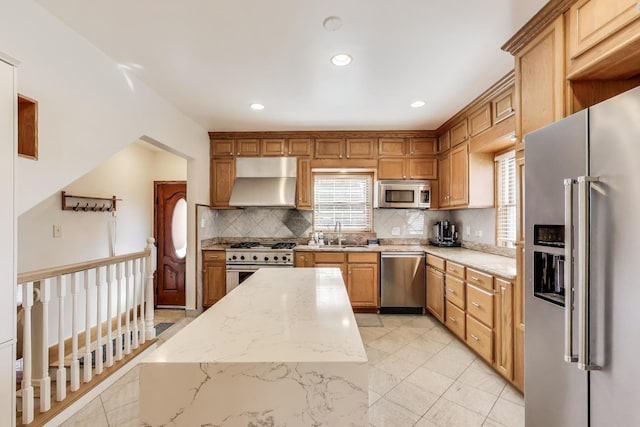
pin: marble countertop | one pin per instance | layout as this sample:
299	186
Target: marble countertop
277	315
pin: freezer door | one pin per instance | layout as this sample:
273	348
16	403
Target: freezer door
615	267
555	391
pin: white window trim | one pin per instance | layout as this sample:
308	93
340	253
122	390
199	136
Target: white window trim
500	240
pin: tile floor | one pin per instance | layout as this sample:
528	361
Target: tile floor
419	375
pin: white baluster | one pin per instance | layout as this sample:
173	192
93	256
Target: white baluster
119	312
75	363
87	368
110	275
27	388
141	280
135	264
61	373
44	380
99	352
151	268
128	289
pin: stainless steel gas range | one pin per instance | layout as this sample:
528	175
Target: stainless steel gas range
244	259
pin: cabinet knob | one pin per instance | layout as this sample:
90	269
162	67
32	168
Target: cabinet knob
238	153
300	199
340	156
475	337
475	304
411	152
289	152
231	153
404	177
347	156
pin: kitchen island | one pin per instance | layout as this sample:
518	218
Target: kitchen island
281	349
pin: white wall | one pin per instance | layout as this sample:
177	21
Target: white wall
129	175
88	111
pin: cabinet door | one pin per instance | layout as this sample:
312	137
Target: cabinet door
444	142
359	148
502	106
362	285
480	120
435	293
518	320
459	176
329	148
540	84
303	188
300	147
214	282
392	168
391	147
222	177
303	259
247	147
504	327
274	147
459	132
222	147
444	180
426	168
422	146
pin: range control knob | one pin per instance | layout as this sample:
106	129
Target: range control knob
266	258
275	258
255	258
234	257
242	257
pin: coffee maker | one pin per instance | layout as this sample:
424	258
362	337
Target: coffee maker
444	234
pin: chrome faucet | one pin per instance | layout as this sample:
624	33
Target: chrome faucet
338	228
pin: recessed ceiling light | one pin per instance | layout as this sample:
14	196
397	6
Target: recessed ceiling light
332	23
417	104
257	106
341	59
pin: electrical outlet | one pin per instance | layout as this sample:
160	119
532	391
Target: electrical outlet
467	230
57	231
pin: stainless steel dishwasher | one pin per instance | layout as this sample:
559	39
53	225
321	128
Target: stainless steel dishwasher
402	287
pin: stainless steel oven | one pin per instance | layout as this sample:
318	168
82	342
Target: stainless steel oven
244	259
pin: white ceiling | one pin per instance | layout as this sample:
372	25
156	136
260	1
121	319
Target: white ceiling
212	58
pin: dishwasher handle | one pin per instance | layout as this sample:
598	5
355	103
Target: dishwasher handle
402	254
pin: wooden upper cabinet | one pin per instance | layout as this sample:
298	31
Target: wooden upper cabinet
444	142
459	132
329	148
300	147
459	175
222	147
274	147
422	146
392	168
303	187
247	147
222	178
480	120
359	148
540	83
423	168
391	147
444	181
502	106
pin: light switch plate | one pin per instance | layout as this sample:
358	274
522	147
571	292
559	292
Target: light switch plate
57	231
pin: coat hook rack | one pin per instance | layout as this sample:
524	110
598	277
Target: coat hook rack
88	203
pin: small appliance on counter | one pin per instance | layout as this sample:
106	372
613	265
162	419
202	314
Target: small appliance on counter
444	235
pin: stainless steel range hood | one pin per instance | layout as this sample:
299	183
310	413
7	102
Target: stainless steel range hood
264	181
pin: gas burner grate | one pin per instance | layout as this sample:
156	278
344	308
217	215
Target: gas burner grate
244	245
283	245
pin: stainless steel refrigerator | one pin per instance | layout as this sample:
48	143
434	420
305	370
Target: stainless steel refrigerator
582	280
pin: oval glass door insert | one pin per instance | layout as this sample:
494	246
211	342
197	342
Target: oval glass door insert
179	228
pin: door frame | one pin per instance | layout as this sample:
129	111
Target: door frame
156	184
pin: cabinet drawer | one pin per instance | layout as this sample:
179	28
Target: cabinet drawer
455	269
480	339
454	291
455	320
320	257
368	257
480	304
213	256
480	279
436	262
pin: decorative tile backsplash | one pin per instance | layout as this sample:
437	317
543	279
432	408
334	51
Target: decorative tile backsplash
255	222
406	223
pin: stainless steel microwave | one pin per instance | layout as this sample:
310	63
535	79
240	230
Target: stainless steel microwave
404	194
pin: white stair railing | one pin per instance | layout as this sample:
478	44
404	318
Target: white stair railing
127	283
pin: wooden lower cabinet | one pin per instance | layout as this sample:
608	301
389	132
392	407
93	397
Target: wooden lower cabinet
455	320
480	338
504	327
435	292
303	259
214	277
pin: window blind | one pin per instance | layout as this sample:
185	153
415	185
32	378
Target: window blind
506	200
346	198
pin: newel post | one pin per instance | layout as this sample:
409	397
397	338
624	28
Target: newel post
151	263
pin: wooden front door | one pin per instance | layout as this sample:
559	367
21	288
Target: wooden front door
170	218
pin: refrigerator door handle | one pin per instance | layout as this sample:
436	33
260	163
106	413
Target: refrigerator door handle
584	195
569	357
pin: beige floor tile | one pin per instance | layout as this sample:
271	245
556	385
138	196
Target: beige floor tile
439	334
507	413
482	379
385	413
127	415
427	344
398	366
122	392
449	362
512	395
423	422
424	322
408	332
373	397
374	355
430	381
381	381
168	316
390	342
412	397
491	423
471	398
395	320
445	413
370	334
92	414
414	353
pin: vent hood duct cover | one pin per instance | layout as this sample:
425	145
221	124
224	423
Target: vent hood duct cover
264	181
